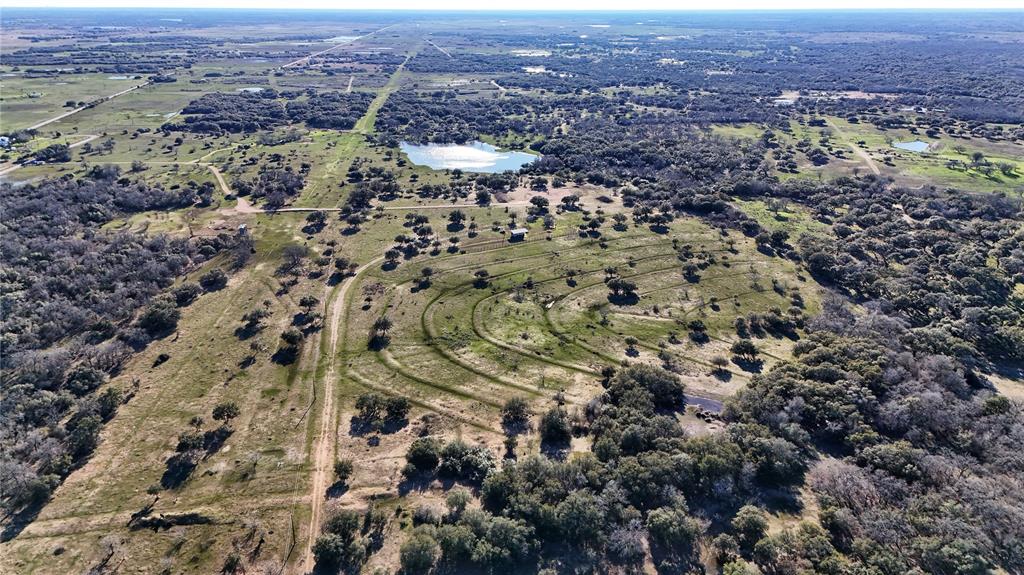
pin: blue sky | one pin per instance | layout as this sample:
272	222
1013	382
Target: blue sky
537	4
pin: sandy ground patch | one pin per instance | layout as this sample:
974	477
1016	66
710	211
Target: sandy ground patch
587	193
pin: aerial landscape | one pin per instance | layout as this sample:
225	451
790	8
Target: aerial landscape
408	292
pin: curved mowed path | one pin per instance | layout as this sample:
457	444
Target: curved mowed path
468	381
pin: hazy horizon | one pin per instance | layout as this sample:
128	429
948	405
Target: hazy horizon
534	6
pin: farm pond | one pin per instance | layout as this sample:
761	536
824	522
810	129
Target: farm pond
470	157
912	146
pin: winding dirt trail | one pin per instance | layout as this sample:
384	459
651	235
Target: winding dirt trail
323	447
857	150
220	180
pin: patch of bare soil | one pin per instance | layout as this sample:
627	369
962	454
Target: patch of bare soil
588	194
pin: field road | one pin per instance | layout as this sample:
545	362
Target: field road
335	47
220	180
440	49
244	207
857	150
79	109
323	449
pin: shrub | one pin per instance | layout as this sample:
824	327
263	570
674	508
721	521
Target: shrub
424	454
554	426
161	316
213	280
426	514
515	412
186	293
749	525
343	470
420	552
466	462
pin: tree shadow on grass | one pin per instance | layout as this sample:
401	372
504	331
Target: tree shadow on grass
749	365
555	451
359	427
624	299
782	500
286	355
179	468
378	342
214	439
248	330
17	522
418	482
337	489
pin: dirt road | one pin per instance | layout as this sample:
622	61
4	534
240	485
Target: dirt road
220	179
335	47
323	447
79	109
439	49
860	153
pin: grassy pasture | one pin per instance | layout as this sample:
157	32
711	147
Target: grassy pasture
30	99
908	168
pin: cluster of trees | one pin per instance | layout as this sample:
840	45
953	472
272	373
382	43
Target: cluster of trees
64	277
925	468
943	265
195	444
221	112
444	117
70	295
275	185
922	474
348	538
52	153
377	411
920	443
375	183
658	150
643	490
334	110
135	56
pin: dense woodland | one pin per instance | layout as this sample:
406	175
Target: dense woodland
249	112
70	296
934	70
